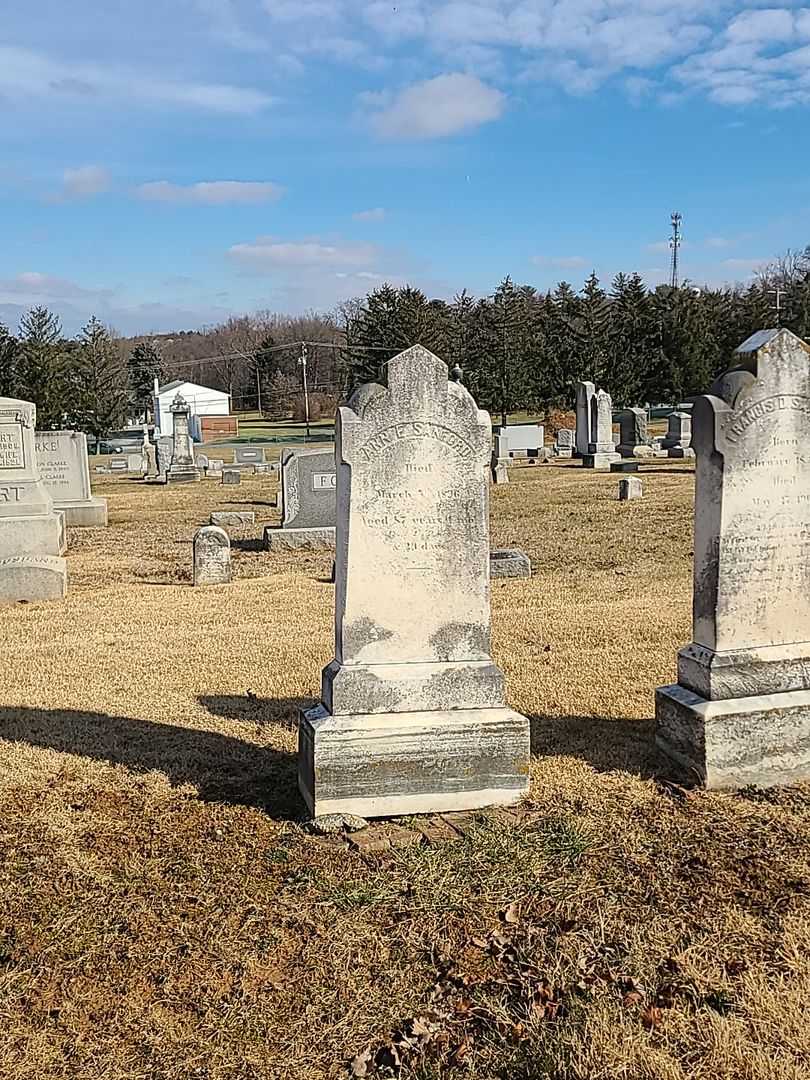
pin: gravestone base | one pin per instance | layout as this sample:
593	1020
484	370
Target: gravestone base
32	578
773	669
735	742
277	539
624	466
39	534
393	688
509	563
85	515
680	452
563	452
387	764
183	474
600	461
635	450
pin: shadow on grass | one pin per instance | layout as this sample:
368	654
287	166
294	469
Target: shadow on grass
606	743
221	767
247	543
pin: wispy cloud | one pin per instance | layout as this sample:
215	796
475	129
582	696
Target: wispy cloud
445	105
377	214
559	262
85	181
268	254
211	192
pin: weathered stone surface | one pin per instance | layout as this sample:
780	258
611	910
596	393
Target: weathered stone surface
585	392
32	532
233	517
308	489
600	452
741	707
679	431
119	464
509	563
215	465
231	476
565	442
137	463
412	649
633	439
32	578
212	556
276	539
182	468
248	455
630	488
163	452
65	470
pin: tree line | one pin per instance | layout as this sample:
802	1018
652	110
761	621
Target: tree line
518	348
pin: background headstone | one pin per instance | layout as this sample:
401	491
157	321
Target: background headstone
212	556
412	716
308	513
740	713
182	468
630	488
248	455
633	439
65	470
584	395
231	476
601	450
163	450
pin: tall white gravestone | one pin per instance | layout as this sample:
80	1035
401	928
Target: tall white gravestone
740	712
413	716
601	450
182	468
31	531
65	470
584	395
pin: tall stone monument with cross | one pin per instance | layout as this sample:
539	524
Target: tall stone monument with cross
413	715
740	712
32	533
182	468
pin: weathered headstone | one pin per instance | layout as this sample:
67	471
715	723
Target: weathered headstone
163	452
413	716
523	440
212	556
601	451
119	465
233	517
182	468
585	392
740	713
307	502
248	455
678	440
137	463
31	531
565	442
630	488
231	476
509	563
499	465
215	465
65	470
201	461
633	439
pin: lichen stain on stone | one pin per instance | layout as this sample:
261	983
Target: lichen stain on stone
447	640
363	632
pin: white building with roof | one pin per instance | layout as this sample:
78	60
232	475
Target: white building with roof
202	400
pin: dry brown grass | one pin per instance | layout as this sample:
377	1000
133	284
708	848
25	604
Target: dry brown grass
163	914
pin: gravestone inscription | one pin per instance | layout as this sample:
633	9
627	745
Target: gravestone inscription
212	556
65	470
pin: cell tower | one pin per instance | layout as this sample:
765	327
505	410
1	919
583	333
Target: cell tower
675	245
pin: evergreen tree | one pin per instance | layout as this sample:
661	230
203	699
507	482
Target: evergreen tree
635	340
41	365
144	365
392	320
9	350
100	402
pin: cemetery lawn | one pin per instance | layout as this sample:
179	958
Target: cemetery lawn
165	916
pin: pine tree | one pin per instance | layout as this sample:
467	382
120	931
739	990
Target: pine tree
144	365
41	365
100	382
9	351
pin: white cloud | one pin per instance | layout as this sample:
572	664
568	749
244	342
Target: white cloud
559	262
377	214
269	254
211	192
771	24
444	105
85	181
27	76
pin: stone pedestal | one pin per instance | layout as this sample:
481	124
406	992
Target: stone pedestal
601	451
32	533
633	439
278	539
740	712
413	717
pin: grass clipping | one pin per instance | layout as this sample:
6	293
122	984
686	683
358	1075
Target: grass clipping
164	914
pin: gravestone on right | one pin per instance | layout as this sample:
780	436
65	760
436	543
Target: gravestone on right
413	716
740	712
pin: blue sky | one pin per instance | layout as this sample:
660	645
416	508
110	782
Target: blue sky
166	164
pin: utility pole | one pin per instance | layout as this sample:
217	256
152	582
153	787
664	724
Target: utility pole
675	245
303	363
